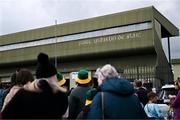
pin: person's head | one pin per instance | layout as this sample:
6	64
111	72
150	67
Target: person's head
105	73
177	83
152	97
23	76
138	83
60	79
44	68
83	78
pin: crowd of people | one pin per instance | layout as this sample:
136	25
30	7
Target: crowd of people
46	97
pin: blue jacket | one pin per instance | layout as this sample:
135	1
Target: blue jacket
119	101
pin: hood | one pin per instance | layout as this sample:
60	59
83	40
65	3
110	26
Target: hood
117	86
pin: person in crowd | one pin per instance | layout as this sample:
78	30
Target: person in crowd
3	93
77	96
89	97
115	98
141	92
175	101
19	79
61	79
151	108
41	99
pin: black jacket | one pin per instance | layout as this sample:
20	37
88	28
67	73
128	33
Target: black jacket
36	105
142	95
77	101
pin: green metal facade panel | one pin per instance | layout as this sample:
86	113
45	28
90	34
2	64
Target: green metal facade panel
175	61
117	19
133	41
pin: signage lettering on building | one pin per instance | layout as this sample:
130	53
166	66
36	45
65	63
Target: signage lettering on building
105	39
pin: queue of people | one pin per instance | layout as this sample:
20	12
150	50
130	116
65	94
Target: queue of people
46	97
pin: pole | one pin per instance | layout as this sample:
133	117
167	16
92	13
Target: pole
169	57
169	51
55	46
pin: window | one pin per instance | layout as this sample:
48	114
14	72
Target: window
92	34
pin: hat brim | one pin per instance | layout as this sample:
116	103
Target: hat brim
62	82
83	81
88	102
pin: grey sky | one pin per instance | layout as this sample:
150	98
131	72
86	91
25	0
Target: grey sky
21	15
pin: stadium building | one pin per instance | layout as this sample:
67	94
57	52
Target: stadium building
130	40
176	68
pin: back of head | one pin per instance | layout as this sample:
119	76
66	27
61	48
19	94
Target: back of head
106	72
178	79
151	95
24	76
44	69
138	83
44	86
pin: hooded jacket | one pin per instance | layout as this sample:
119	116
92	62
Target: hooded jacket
119	101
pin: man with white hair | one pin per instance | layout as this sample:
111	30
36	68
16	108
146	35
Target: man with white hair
115	99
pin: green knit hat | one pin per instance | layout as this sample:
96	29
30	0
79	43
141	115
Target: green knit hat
60	78
83	77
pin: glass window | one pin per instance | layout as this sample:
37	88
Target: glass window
98	33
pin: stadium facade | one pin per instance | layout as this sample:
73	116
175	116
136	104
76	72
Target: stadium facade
130	40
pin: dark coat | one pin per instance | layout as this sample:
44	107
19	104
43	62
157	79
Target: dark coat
176	106
142	95
119	101
36	105
77	101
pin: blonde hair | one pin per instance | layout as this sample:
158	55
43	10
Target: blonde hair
106	72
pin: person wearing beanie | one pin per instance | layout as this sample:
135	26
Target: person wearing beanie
78	95
89	97
60	79
44	68
44	98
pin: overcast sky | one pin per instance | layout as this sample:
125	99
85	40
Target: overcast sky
21	15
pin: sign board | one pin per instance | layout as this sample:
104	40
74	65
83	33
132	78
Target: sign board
73	76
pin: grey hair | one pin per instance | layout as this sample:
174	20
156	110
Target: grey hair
106	72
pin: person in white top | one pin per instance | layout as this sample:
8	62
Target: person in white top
151	108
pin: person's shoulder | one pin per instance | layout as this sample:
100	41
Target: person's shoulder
61	93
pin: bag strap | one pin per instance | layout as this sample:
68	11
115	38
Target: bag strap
102	104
